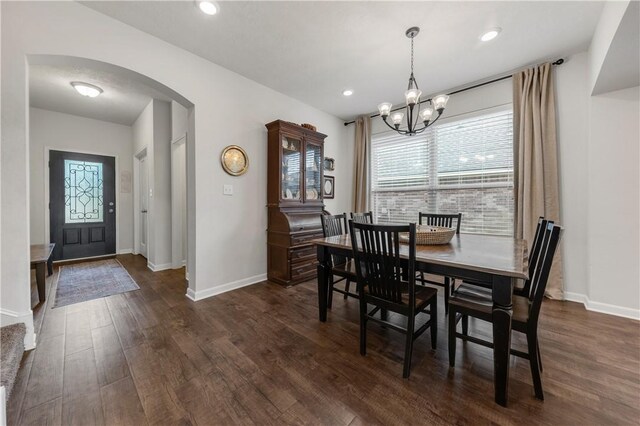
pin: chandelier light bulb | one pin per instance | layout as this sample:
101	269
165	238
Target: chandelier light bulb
426	114
397	118
385	109
412	96
440	102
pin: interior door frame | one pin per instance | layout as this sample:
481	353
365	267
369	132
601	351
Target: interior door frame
136	200
175	208
47	212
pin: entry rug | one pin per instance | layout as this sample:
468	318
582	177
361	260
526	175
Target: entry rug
92	280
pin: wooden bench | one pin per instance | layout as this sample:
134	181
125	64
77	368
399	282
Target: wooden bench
41	258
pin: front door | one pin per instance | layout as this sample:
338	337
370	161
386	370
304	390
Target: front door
82	205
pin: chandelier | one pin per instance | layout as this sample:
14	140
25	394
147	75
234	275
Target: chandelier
413	110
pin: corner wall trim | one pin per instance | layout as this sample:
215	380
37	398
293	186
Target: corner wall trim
209	292
603	308
160	267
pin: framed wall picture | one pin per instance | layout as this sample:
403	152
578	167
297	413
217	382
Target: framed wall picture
234	160
328	187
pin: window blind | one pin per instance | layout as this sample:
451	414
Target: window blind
464	166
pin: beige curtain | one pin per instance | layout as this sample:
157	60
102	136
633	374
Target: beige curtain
535	159
361	157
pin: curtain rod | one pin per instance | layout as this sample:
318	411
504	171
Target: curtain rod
475	86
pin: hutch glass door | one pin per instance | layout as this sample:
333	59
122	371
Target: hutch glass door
291	168
313	171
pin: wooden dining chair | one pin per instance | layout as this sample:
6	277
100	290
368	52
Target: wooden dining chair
476	302
380	272
446	220
366	217
437	219
522	287
341	266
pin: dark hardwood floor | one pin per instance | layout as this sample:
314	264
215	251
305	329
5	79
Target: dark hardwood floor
259	355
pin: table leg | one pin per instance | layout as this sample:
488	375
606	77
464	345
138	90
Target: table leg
502	311
40	280
50	265
324	269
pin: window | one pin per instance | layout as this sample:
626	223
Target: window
459	166
83	196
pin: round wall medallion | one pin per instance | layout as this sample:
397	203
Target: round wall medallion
234	160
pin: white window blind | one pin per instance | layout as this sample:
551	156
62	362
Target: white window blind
460	166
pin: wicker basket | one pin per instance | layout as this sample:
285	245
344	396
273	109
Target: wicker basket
430	235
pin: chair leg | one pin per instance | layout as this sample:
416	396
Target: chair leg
411	320
330	295
465	325
447	291
363	328
452	338
532	344
346	288
434	322
539	356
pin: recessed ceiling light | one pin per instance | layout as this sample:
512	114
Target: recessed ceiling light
347	92
86	89
208	7
491	34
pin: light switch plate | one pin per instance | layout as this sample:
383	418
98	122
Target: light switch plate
227	189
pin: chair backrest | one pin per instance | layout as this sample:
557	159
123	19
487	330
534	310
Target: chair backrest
366	217
376	250
550	240
535	250
333	225
446	220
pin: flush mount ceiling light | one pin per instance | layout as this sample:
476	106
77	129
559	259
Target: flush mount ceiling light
412	97
347	92
491	34
86	89
208	7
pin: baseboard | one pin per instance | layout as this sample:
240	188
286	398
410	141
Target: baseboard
125	251
160	267
209	292
603	308
8	317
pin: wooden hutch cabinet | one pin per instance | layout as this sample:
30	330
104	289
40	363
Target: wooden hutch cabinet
294	201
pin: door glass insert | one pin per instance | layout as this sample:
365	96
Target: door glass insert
313	168
291	167
83	192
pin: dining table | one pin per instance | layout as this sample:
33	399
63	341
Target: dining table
497	261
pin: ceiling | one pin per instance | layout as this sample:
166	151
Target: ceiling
121	102
312	51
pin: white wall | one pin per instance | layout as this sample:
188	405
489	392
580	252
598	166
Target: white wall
64	132
572	132
179	120
161	199
614	202
227	238
152	131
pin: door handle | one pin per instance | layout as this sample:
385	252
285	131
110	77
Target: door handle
143	211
